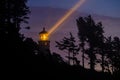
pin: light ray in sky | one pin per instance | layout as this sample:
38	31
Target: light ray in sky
66	16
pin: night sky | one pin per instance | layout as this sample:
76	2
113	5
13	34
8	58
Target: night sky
45	13
102	7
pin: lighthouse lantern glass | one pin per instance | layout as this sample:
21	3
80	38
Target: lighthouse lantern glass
44	37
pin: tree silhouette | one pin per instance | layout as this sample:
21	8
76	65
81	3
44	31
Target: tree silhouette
104	49
68	44
82	38
12	14
91	35
116	56
114	53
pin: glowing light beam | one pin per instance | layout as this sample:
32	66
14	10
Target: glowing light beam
67	15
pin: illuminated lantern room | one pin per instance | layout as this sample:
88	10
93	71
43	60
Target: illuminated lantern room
43	35
44	42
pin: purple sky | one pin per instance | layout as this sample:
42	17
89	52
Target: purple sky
45	13
102	7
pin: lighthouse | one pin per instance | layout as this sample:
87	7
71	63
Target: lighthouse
44	42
